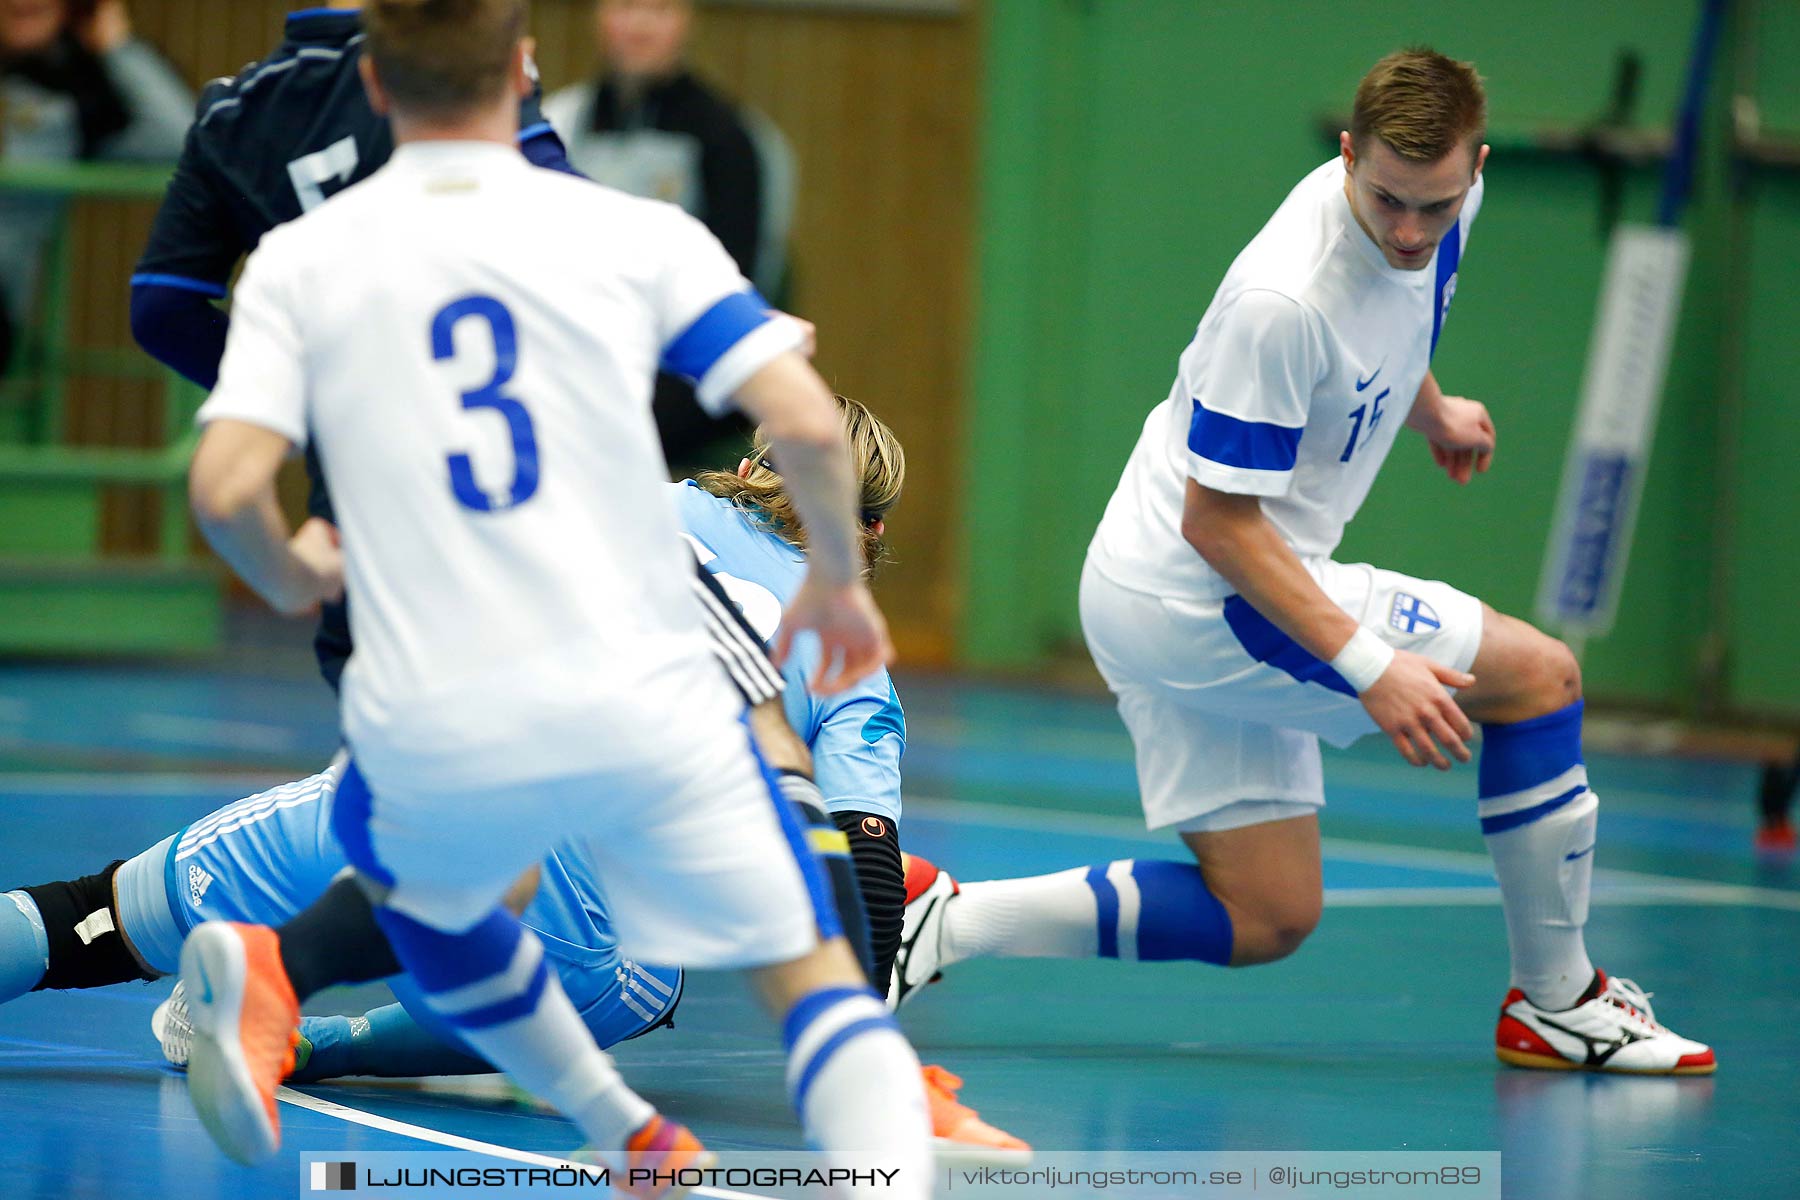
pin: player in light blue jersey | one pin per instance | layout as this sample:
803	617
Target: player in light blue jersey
263	859
276	851
746	534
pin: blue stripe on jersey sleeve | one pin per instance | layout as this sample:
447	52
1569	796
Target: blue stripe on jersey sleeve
714	333
1251	445
1449	255
204	287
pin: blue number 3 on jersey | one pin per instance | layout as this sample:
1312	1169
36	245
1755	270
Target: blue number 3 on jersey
488	395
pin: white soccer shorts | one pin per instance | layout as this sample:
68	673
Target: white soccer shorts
1226	711
703	864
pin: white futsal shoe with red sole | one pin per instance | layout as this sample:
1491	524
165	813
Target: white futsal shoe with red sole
928	893
1614	1030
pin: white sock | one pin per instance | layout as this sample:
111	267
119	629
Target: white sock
492	985
1545	869
855	1082
1043	916
551	1054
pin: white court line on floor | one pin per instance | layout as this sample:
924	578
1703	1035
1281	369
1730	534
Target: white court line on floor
180	730
357	1116
1611	886
1604	896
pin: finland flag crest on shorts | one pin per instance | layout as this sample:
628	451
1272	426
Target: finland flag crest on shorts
1410	614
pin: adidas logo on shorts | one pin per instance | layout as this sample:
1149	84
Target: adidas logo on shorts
198	881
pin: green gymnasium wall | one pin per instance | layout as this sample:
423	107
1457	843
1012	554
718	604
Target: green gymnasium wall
1131	148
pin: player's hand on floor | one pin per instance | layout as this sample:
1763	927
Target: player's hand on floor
1411	705
853	635
318	576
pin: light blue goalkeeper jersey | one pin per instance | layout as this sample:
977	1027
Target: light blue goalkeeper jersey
857	736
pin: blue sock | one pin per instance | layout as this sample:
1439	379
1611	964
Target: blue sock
386	1042
1538	817
1530	769
491	986
24	946
1144	909
1177	917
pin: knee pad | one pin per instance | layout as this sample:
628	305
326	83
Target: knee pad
881	877
82	925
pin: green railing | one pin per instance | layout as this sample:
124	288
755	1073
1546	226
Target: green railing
60	591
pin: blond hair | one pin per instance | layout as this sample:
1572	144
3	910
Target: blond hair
875	455
440	58
1422	104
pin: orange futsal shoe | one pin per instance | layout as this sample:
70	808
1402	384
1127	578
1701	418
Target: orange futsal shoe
661	1146
245	1024
959	1125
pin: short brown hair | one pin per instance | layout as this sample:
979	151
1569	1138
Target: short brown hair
442	57
1422	104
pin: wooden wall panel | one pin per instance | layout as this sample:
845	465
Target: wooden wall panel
882	114
104	411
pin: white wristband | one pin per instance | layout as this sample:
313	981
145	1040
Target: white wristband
1362	660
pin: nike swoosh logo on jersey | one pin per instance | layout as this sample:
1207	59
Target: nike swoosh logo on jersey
1363	383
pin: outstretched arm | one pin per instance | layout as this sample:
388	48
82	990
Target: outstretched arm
806	438
232	487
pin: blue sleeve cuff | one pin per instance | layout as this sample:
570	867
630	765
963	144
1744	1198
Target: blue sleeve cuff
182	282
714	333
1247	445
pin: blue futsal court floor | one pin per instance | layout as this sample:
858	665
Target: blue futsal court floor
1376	1036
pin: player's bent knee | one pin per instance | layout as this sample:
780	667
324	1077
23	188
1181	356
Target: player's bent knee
1567	670
1522	673
1270	927
1273	937
1554	678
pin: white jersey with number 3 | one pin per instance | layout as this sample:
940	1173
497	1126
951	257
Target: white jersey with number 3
1303	370
469	342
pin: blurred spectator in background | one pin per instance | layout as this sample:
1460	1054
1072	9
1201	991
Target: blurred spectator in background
74	86
647	126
